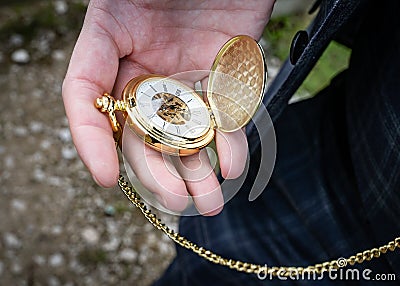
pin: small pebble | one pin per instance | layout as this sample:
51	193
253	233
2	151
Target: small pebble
37	157
128	255
58	55
68	152
56	230
20	131
75	266
20	56
45	144
90	235
152	238
112	227
16	40
53	281
109	210
39	175
165	248
18	205
61	7
9	162
39	260
11	241
144	256
55	181
16	268
36	126
112	245
56	260
37	93
65	135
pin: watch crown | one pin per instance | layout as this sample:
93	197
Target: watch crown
108	104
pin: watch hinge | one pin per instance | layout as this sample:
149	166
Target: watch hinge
212	116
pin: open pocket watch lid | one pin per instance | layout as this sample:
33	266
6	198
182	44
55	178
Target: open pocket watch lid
236	83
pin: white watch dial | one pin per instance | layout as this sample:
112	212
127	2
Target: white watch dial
172	108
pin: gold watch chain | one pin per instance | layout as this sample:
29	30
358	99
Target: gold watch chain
282	271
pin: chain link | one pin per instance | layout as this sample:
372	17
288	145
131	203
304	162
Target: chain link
281	271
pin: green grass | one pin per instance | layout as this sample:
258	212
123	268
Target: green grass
122	207
40	16
280	31
279	34
334	60
92	256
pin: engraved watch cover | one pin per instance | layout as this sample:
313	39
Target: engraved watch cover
236	83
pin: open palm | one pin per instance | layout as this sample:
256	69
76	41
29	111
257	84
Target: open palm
121	39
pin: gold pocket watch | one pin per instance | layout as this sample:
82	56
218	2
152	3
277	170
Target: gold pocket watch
172	118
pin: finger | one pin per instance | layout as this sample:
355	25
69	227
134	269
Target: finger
155	172
232	152
231	148
201	182
92	71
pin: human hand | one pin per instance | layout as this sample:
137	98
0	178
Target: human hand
123	39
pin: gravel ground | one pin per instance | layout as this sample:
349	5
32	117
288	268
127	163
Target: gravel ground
57	227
